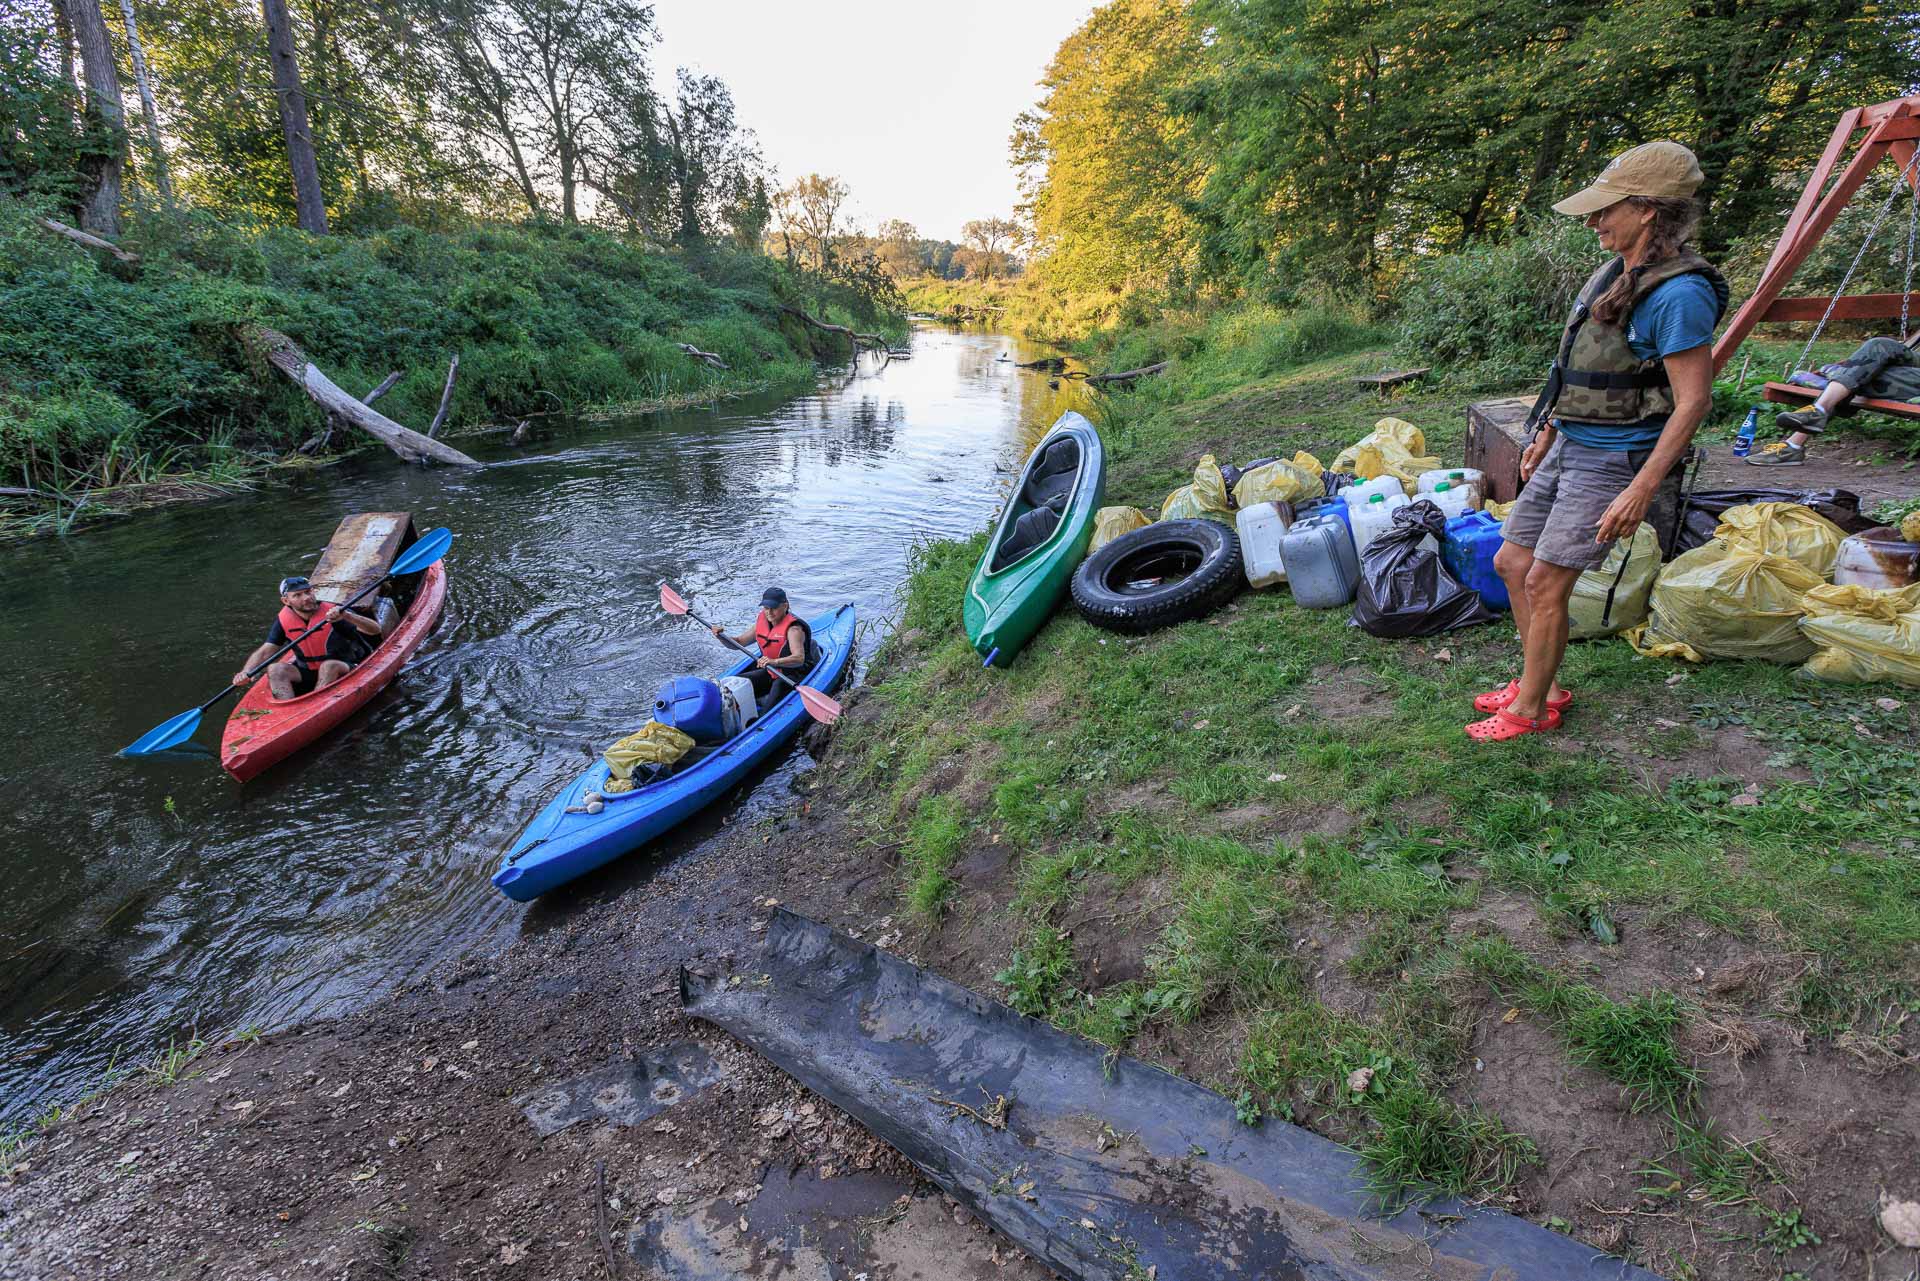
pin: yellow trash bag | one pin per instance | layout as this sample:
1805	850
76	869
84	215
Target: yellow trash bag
1784	529
1205	498
1395	447
1498	510
1280	482
651	744
1864	633
1613	597
1307	462
1725	600
1910	527
1111	522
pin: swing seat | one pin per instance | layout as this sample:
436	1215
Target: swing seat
1791	394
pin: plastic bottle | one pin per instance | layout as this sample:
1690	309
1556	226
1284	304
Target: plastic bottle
1321	566
1374	517
1385	486
1261	526
1743	442
1453	502
1471	479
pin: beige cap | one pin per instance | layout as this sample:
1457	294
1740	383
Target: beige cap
1650	169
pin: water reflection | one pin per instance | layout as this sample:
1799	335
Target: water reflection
153	898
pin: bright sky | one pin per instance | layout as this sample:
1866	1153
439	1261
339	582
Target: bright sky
910	102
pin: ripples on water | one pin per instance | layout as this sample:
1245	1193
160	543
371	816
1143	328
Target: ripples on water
157	899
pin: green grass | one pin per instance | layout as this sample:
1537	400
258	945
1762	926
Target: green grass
1235	790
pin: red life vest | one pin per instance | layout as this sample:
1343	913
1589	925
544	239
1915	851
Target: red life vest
772	637
313	645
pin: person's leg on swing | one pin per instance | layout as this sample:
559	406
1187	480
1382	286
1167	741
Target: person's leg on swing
1884	367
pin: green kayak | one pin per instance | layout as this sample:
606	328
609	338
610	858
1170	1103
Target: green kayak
1039	541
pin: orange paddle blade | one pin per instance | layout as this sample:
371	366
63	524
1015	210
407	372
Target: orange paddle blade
818	705
671	601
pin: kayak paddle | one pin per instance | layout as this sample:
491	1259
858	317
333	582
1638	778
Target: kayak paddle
426	550
818	705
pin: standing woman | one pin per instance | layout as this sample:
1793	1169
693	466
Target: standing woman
1632	382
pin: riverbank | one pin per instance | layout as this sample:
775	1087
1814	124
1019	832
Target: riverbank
124	382
1650	980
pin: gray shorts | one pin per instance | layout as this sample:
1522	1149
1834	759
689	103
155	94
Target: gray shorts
1558	514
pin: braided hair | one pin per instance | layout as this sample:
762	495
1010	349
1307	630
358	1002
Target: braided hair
1675	220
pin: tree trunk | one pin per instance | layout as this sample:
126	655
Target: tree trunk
149	111
310	206
101	211
63	36
285	355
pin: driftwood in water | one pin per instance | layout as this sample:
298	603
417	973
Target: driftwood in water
285	355
1127	376
446	399
317	443
1052	364
86	238
857	340
697	354
524	432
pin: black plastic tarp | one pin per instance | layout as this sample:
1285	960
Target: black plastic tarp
1101	1167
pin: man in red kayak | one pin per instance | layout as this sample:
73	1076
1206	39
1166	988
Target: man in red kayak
781	639
326	650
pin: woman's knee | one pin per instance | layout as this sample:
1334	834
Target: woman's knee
1512	562
1548	586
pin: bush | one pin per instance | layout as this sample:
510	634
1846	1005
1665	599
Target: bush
1490	316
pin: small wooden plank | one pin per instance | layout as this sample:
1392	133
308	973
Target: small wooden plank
1393	377
359	553
1793	394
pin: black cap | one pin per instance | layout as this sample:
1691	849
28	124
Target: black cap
294	583
771	597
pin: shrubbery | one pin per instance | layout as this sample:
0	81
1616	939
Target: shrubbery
98	362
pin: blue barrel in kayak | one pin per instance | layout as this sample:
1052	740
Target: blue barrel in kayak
1468	550
692	705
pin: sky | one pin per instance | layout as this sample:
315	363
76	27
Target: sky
910	102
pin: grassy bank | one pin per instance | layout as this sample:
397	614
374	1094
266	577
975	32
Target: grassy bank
113	376
1622	978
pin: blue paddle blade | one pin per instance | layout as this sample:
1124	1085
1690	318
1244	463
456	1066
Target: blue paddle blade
161	737
428	548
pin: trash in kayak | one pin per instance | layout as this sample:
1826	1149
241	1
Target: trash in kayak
1010	1116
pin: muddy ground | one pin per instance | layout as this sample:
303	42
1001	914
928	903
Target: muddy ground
395	1143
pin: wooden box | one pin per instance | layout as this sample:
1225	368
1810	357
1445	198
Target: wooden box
1496	437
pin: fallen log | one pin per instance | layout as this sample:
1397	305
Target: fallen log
285	355
1127	376
446	399
855	339
88	239
697	354
319	442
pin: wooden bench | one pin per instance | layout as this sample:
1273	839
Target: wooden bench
1392	377
1794	394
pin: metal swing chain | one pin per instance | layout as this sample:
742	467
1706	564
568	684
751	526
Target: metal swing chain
1913	224
1800	361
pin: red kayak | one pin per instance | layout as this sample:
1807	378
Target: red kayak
264	730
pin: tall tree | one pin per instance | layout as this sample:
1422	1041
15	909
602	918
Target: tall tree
106	120
309	203
150	113
809	209
989	239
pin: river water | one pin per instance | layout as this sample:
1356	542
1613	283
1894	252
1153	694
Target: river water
157	900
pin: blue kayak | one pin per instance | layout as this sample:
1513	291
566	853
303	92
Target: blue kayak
558	846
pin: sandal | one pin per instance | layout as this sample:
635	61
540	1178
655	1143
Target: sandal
1503	725
1495	699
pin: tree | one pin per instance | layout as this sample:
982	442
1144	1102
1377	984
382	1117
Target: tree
899	248
309	204
988	237
809	209
150	114
105	119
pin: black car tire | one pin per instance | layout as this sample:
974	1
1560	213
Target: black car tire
1163	574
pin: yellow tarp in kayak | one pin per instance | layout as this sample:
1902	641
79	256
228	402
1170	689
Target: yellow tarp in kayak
1864	633
651	744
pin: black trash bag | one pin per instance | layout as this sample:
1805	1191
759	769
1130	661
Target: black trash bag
1335	481
1404	589
1232	474
1704	508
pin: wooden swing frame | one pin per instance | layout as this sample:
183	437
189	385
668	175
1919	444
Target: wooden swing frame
1892	129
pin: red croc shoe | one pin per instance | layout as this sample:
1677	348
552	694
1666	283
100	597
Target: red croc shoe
1495	699
1503	725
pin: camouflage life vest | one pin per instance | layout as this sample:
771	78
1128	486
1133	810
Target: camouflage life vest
1596	378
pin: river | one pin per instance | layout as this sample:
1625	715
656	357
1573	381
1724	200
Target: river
154	901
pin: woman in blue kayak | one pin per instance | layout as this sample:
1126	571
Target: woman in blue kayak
780	639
